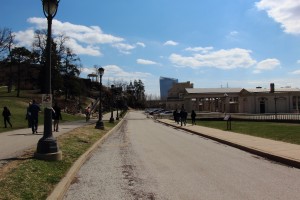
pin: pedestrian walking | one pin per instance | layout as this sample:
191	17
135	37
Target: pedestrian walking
56	115
193	116
28	115
87	114
175	115
178	117
183	116
6	115
34	110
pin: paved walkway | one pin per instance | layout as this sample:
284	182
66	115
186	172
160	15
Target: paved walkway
15	143
282	152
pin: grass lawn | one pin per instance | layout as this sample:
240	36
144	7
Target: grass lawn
286	132
18	107
29	178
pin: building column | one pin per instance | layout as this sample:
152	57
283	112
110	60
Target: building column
297	108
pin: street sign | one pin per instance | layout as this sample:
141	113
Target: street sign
47	100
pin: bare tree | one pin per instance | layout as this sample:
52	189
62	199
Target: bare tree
61	40
6	42
19	56
39	44
6	45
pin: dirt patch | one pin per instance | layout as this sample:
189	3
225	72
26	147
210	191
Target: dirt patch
9	164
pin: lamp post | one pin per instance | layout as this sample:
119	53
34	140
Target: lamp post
275	99
100	124
117	105
226	99
112	120
47	148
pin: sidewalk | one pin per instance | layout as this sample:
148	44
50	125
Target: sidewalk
282	152
15	143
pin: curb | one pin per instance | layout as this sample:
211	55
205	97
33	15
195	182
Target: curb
62	187
283	160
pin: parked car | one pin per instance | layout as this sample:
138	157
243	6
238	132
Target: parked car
157	111
167	112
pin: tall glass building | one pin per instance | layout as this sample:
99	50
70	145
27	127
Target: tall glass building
165	85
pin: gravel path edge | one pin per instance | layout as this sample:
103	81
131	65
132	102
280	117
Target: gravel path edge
61	188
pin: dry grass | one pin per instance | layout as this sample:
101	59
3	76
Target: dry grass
28	178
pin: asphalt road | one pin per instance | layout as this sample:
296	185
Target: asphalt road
147	160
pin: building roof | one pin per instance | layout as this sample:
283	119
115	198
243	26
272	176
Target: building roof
263	90
237	90
167	78
212	90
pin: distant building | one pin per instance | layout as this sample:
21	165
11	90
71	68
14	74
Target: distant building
241	100
234	100
176	95
165	85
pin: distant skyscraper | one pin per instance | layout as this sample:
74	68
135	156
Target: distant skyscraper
165	85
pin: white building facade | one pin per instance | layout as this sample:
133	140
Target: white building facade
241	100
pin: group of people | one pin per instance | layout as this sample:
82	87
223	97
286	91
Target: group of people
182	116
32	116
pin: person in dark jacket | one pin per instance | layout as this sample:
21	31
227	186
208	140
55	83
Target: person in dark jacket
28	115
6	115
193	116
175	115
56	115
34	109
183	116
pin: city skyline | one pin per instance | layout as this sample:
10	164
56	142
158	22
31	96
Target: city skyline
210	43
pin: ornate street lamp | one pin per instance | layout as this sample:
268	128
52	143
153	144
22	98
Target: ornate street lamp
112	120
117	107
100	124
118	97
47	148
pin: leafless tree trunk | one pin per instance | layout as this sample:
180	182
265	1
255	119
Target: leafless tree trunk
6	44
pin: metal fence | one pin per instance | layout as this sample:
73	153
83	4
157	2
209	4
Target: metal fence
294	117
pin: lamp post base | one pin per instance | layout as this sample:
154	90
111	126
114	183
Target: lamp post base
47	149
99	125
111	120
49	156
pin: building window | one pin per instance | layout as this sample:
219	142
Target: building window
296	100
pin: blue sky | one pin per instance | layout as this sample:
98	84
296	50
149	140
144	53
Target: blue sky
212	43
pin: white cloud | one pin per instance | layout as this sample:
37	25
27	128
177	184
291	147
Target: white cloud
85	34
114	72
145	62
298	61
285	12
86	70
80	50
233	33
140	44
170	43
297	72
83	39
123	48
256	71
117	73
201	49
233	36
24	38
266	65
222	59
